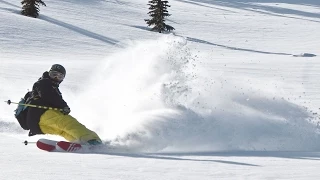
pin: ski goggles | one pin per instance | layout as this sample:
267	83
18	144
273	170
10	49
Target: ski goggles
56	75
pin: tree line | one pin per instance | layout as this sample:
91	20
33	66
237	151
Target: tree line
158	12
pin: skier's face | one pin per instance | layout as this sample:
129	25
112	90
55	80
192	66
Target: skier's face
56	76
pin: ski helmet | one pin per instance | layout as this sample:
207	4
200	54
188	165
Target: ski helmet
59	68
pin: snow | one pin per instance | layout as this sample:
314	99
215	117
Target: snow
232	93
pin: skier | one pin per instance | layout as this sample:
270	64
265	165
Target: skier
45	92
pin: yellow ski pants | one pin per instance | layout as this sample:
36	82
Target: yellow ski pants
56	123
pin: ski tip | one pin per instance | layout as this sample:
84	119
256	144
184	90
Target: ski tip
44	146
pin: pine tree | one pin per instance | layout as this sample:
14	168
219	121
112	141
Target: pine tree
158	13
31	7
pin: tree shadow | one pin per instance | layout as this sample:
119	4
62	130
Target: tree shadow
70	27
84	2
16	11
10	4
234	48
141	27
80	30
10	10
249	5
198	3
149	29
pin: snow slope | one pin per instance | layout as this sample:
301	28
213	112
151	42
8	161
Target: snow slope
230	94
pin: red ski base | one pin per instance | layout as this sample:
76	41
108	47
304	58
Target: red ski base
68	146
46	144
62	146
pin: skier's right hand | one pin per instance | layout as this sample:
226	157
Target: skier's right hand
66	110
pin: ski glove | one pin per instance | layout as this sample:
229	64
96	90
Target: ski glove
66	110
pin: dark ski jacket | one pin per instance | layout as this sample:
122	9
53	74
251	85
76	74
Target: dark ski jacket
45	92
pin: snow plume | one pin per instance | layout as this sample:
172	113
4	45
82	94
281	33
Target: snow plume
155	96
126	90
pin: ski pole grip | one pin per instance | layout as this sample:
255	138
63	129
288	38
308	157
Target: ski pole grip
27	142
8	102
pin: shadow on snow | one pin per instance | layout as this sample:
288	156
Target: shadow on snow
253	6
80	30
233	48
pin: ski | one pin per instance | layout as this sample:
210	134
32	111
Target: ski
65	146
57	146
46	144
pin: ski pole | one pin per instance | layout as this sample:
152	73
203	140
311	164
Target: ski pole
27	142
35	106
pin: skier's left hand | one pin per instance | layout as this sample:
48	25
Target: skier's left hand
66	110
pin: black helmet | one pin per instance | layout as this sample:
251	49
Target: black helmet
58	68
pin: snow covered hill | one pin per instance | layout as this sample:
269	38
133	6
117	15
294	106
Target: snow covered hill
232	93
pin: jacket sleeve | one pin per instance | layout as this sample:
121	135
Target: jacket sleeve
49	94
